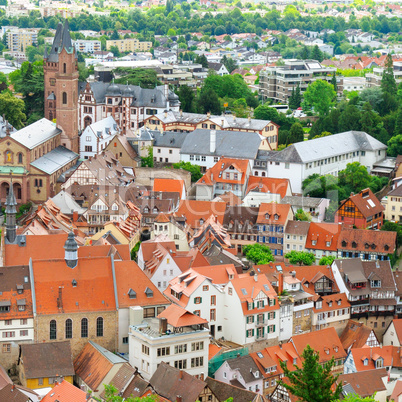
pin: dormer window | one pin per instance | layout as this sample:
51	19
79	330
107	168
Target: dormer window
354	244
365	362
386	247
267	216
20	289
146	210
149	292
330	304
339	302
74	283
318	304
276	217
366	245
379	362
376	283
328	243
326	350
314	242
344	243
132	294
336	349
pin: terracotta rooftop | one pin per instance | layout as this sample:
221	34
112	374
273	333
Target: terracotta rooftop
169	185
216	173
323	236
365	384
268	185
193	211
355	335
65	392
273	213
366	202
179	317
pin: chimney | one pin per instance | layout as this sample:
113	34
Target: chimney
163	325
256	277
75	216
209	115
166	114
181	112
179	398
280	282
212	141
60	298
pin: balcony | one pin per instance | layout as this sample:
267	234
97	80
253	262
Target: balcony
359	302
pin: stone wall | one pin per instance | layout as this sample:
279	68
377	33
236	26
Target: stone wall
108	340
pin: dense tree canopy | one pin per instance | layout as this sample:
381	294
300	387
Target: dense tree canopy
258	253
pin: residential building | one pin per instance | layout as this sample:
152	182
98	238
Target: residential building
393	334
206	147
362	210
96	366
96	137
226	175
87	46
219	68
313	207
170	186
241	371
182	122
129	105
177	337
366	244
42	364
358	335
272	220
326	342
392	204
326	155
167	146
398	294
364	359
37	160
331	311
278	82
16	315
129	45
295	236
374	78
18	39
370	289
322	239
122	148
268	362
370	383
265	190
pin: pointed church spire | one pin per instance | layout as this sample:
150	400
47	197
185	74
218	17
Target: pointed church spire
66	38
45	56
11	215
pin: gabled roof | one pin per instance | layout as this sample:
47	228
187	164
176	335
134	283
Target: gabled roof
130	276
122	378
48	359
325	341
55	160
391	355
194	211
380	241
332	302
36	133
366	202
246	367
11	393
355	335
93	364
216	173
169	382
299	228
55	290
178	317
312	273
65	392
169	185
268	185
320	233
273	213
364	384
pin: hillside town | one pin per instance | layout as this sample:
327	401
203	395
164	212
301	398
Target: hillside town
200	201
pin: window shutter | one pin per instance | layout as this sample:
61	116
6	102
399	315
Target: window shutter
262	303
263	331
252	332
268	330
273	315
246	333
200	299
273	329
252	318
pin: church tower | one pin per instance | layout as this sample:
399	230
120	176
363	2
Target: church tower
11	216
61	86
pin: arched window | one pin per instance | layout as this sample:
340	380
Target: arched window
50	116
64	98
99	326
20	157
69	328
64	68
8	157
53	330
84	328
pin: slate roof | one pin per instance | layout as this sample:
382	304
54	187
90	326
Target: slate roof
231	144
246	366
62	39
36	133
168	139
54	160
326	147
67	204
48	359
170	382
298	201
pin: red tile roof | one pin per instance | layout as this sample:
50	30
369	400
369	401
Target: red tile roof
367	383
355	335
65	392
216	173
392	356
162	218
193	211
320	233
179	317
169	185
94	290
130	276
366	202
268	185
274	213
330	303
325	341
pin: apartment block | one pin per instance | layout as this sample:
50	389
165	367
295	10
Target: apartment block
19	39
87	46
278	82
129	45
374	79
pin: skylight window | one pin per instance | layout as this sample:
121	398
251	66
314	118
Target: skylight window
244	291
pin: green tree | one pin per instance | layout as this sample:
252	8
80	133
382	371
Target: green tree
312	382
229	63
355	176
296	133
296	98
394	227
300	257
388	83
187	97
395	146
115	50
326	260
134	251
317	54
148	161
398	122
111	395
357	398
208	101
195	170
143	77
13	109
319	95
202	60
301	215
334	83
258	253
